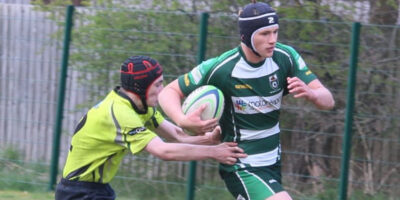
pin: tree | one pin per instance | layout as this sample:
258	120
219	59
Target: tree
60	2
384	11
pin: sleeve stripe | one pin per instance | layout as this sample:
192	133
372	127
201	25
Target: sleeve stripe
221	64
281	51
118	138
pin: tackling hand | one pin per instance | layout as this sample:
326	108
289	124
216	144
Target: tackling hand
228	153
215	136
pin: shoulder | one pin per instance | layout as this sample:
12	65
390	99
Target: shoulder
122	112
224	58
233	53
285	51
202	73
225	63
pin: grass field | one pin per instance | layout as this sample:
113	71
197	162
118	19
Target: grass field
24	195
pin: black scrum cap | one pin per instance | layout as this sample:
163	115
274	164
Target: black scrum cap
138	73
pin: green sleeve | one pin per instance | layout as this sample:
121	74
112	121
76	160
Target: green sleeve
299	67
197	77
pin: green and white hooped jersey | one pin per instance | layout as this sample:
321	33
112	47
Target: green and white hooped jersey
108	131
253	95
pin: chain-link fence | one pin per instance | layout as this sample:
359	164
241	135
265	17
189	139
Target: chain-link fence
31	47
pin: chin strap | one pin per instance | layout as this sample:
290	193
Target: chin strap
252	49
255	52
143	99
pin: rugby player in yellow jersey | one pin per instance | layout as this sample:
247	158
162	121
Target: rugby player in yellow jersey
127	121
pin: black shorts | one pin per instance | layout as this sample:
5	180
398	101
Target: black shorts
68	190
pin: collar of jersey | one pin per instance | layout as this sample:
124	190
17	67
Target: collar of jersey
248	62
124	96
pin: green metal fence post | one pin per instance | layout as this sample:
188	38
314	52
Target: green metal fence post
349	110
191	182
60	100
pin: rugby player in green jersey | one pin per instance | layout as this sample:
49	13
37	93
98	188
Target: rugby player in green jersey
253	77
127	121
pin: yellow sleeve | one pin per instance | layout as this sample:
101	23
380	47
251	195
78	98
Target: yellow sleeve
134	131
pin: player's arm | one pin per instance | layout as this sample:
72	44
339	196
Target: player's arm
173	133
226	153
170	101
314	92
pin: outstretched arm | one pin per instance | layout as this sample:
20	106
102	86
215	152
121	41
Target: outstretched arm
173	133
226	153
314	92
170	101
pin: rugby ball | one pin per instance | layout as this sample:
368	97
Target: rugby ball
207	94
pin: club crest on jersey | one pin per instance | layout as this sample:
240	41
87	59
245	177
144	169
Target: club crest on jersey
273	81
137	130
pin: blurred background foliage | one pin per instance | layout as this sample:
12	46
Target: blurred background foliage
106	32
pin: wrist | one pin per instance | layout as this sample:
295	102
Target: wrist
210	154
179	120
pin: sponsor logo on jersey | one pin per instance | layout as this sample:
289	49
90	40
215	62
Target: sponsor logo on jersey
243	86
301	64
273	81
196	75
240	105
308	72
257	104
187	81
137	130
272	181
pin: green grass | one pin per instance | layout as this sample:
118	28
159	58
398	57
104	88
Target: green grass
29	181
24	195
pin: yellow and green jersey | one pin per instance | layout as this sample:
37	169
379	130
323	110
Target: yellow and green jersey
105	134
253	95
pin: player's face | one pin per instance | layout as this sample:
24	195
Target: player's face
264	41
154	90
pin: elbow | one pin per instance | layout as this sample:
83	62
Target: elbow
164	154
331	104
327	106
166	157
324	100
